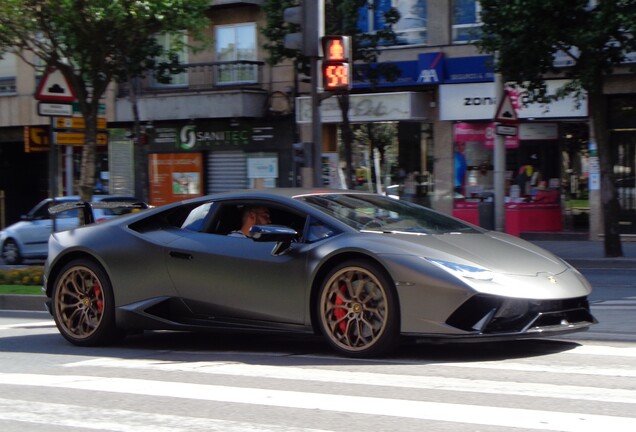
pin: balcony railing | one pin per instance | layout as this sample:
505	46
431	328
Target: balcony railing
201	77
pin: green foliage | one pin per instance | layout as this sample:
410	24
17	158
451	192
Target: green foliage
341	18
22	276
96	42
527	34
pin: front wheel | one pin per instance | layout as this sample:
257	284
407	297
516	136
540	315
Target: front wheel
358	310
83	304
11	252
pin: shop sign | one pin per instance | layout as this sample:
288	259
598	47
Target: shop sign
477	101
431	66
482	132
427	69
469	69
36	139
369	108
174	177
262	167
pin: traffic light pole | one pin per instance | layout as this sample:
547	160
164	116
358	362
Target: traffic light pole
316	123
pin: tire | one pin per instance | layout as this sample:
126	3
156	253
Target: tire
358	310
11	252
84	306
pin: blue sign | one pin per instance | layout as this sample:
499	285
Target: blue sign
469	70
430	69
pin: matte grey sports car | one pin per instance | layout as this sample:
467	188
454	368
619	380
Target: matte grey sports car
360	268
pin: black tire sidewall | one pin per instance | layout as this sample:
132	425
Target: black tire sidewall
18	256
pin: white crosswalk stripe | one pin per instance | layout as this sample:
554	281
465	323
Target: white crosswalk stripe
65	415
474	414
586	388
376	379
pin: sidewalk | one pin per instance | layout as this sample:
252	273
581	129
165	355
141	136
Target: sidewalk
579	253
590	254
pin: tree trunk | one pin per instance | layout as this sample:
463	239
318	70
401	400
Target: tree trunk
609	198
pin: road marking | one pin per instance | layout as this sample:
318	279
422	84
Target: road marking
36	324
463	413
85	417
373	379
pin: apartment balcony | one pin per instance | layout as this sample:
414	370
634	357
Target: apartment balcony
202	90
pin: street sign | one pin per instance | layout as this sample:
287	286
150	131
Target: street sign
75	123
54	109
36	139
54	87
506	130
506	112
77	138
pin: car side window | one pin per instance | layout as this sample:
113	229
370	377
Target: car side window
196	219
229	217
42	212
318	230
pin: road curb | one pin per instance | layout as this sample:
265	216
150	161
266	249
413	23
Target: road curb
22	302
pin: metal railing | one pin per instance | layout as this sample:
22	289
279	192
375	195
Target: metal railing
202	76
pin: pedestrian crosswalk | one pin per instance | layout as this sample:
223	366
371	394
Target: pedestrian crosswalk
588	387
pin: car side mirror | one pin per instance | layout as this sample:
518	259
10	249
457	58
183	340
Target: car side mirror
282	235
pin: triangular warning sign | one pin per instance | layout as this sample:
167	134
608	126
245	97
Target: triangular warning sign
506	112
54	88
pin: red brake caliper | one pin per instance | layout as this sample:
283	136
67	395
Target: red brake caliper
340	312
98	296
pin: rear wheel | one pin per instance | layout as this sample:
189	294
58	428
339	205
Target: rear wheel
83	304
358	310
11	252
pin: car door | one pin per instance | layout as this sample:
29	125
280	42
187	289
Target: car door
236	278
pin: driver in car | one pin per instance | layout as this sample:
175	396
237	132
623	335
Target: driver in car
252	215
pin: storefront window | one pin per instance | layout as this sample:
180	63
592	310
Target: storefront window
233	44
466	20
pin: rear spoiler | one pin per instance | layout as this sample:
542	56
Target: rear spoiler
87	207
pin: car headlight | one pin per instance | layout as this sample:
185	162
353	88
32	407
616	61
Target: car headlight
463	270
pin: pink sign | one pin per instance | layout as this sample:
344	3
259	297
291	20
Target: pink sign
482	132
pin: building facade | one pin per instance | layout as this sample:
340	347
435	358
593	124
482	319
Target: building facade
229	121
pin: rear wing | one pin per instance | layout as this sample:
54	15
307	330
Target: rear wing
87	207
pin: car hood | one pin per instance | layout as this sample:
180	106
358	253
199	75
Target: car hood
495	251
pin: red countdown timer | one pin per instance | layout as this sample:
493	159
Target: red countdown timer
336	76
336	69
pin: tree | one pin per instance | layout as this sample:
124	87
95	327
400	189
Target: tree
93	43
595	35
341	18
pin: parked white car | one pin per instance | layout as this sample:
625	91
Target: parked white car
28	238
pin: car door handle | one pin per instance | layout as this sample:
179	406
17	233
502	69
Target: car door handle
181	255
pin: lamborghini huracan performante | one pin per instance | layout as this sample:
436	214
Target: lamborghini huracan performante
364	270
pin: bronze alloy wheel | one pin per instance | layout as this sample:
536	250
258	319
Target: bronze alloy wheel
82	304
358	310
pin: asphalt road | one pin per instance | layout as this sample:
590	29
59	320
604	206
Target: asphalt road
166	381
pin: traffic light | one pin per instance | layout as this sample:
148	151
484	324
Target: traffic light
336	63
308	18
302	152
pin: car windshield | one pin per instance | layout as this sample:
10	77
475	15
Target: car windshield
376	213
